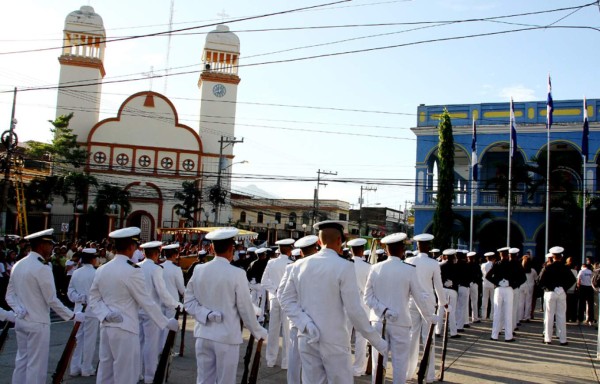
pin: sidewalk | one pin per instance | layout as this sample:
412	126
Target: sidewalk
473	358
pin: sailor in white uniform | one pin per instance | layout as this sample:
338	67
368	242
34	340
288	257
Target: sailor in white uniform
217	296
390	286
87	335
173	277
320	295
31	293
278	323
118	291
362	268
430	277
487	287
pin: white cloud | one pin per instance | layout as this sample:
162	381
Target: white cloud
518	93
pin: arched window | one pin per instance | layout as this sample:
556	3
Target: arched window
260	217
278	217
243	216
293	217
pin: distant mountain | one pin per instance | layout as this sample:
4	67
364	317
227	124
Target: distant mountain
253	190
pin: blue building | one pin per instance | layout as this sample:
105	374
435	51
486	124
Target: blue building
528	213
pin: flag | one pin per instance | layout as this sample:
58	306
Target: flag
513	131
586	131
474	151
549	105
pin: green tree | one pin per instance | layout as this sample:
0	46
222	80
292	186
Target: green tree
39	191
77	184
64	147
191	197
443	217
108	195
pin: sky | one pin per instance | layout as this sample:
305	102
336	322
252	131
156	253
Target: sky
332	88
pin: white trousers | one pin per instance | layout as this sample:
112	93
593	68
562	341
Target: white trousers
258	295
451	299
474	298
33	344
360	354
119	357
503	315
83	354
150	337
418	335
216	362
487	296
516	301
462	306
294	372
278	325
527	296
324	363
398	339
555	307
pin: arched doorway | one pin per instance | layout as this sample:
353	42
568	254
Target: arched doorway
493	236
145	222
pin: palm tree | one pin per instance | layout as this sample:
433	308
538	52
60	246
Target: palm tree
109	195
191	196
443	216
39	191
77	184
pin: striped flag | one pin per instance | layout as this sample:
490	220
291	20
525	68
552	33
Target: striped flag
549	105
586	131
474	161
513	130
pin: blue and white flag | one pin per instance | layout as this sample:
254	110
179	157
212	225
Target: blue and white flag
586	131
474	161
549	105
513	130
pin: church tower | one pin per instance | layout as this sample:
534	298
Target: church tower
81	63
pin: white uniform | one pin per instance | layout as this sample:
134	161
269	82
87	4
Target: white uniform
120	287
527	296
31	288
278	323
150	333
322	289
220	287
173	277
87	335
362	270
390	285
488	291
430	277
294	371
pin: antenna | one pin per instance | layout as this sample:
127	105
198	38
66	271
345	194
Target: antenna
169	46
223	15
150	76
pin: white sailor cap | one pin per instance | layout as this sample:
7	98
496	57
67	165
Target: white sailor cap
345	249
296	252
358	242
306	241
340	225
449	251
423	237
513	250
408	253
202	252
489	254
556	250
471	254
285	242
151	244
435	250
251	249
379	251
242	252
89	251
123	233
261	250
394	238
503	249
549	255
222	234
45	235
171	246
367	252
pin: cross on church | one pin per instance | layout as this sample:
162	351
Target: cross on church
222	15
150	76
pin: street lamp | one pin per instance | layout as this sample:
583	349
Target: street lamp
47	214
112	215
268	231
291	225
304	229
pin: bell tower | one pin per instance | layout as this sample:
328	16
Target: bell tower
81	70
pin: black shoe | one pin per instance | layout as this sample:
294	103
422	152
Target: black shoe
438	336
518	324
477	321
491	338
509	340
460	330
565	343
467	326
455	336
547	342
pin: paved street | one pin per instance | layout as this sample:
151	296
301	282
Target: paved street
473	358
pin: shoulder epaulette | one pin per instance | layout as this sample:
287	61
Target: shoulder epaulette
160	266
42	261
412	265
134	265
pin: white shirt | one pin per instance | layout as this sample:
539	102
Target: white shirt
273	273
80	285
585	277
119	286
137	256
31	286
485	268
219	286
322	288
429	276
155	284
173	276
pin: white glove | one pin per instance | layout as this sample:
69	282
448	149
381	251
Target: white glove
79	317
11	316
391	315
503	283
180	307
114	317
313	333
173	325
448	283
435	319
215	317
21	312
261	334
559	290
381	346
82	299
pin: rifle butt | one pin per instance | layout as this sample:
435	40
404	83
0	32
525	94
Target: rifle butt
255	363
444	346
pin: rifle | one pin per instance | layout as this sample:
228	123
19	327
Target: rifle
247	358
445	345
164	363
426	352
182	344
369	369
380	372
4	334
65	358
255	363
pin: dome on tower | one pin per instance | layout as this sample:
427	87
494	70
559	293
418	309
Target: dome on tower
85	19
221	39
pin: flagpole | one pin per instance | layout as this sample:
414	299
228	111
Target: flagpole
584	206
549	110
510	156
474	163
584	155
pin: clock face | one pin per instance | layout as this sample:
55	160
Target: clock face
219	90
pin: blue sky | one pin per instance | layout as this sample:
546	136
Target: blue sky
367	100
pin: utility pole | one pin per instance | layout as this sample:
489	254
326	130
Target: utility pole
316	201
360	202
224	143
9	139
